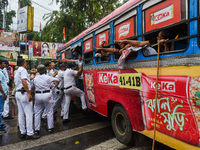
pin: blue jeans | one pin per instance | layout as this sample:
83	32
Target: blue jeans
1	108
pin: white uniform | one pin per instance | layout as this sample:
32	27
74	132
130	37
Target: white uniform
25	108
49	73
6	102
71	90
42	84
59	92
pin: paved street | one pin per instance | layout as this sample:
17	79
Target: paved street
85	131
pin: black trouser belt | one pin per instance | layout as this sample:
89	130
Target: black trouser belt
20	91
67	87
60	88
47	91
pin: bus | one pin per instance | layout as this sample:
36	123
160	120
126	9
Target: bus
128	96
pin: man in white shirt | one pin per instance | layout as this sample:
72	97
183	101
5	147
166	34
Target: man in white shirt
43	97
70	90
24	101
59	95
78	62
5	114
3	93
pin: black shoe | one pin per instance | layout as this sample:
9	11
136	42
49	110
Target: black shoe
66	120
50	130
9	117
2	129
37	132
32	137
4	124
22	136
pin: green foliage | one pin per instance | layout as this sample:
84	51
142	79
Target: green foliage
31	35
9	15
36	36
25	3
9	21
75	16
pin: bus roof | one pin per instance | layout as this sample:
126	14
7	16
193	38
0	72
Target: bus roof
102	21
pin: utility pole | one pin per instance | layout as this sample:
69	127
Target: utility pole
4	14
19	6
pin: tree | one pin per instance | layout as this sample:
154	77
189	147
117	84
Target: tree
75	16
25	3
8	17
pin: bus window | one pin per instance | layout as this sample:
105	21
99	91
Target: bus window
102	40
169	19
76	51
88	52
132	55
125	28
68	53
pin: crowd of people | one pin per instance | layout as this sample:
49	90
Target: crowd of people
41	95
51	88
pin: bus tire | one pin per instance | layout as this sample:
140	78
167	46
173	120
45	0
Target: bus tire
121	125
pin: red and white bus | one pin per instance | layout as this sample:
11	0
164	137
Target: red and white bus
128	96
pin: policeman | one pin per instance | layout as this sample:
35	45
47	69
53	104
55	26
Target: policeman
43	96
59	89
71	90
24	101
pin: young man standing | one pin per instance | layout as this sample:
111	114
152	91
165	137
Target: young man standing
5	114
3	93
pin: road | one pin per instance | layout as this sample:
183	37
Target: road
88	131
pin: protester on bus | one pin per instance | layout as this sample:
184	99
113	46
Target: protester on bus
102	54
162	37
24	101
43	96
124	44
3	93
70	90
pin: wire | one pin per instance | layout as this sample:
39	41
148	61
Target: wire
42	6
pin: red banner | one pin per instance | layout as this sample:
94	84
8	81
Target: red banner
88	45
125	29
103	36
164	14
175	112
36	49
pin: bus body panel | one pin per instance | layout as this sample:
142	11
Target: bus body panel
105	89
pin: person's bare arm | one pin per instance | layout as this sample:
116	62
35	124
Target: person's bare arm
25	85
105	49
55	73
3	93
69	60
80	71
135	42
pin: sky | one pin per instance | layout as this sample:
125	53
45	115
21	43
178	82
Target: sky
42	7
